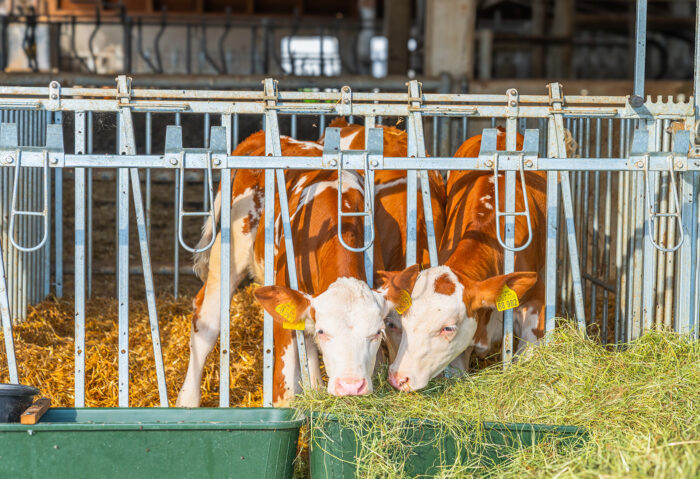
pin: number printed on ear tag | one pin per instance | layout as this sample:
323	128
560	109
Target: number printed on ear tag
404	302
507	299
288	311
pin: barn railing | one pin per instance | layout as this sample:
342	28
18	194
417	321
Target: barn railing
645	166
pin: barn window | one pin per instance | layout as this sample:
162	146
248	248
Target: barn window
379	52
306	56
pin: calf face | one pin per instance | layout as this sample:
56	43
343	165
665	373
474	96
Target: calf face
439	317
347	322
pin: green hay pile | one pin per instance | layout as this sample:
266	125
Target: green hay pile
640	406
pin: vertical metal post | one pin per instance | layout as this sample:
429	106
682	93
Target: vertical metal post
649	251
80	253
176	245
508	255
268	339
225	282
369	252
273	147
123	267
7	324
58	220
551	263
556	96
207	126
89	231
149	146
640	49
416	148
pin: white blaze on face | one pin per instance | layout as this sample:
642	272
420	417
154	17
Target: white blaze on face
348	327
436	330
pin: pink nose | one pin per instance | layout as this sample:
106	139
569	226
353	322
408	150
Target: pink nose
350	387
399	381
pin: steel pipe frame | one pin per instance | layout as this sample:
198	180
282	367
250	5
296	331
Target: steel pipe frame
122	162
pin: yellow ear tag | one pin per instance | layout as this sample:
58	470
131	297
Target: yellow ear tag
507	299
288	311
404	302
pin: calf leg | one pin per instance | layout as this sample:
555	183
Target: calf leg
206	325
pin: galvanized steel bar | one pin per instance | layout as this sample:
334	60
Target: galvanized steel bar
369	252
551	262
58	221
123	262
149	287
176	246
80	263
225	292
273	147
89	232
7	324
416	146
556	95
640	49
509	253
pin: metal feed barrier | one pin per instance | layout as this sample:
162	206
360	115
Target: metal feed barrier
653	178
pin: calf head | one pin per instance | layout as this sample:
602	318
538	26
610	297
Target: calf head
439	317
347	323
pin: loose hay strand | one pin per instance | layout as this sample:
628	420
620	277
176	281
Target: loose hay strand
44	345
640	406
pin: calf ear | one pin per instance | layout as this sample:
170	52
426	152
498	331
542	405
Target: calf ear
397	285
288	307
485	294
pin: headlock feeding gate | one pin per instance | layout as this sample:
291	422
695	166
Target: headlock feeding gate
622	204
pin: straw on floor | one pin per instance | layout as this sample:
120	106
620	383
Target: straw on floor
44	346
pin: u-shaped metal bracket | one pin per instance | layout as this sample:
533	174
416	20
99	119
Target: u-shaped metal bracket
15	212
368	212
499	213
182	213
653	214
178	154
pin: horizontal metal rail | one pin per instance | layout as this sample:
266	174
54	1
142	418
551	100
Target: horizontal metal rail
199	161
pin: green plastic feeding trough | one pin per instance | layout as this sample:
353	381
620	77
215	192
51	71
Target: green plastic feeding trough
152	443
335	447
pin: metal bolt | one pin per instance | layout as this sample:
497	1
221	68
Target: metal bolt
489	163
679	164
54	96
54	84
513	103
346	101
696	150
639	164
346	89
333	163
55	446
217	162
512	92
8	159
53	160
173	161
636	101
528	163
374	163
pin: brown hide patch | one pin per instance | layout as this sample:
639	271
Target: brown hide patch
445	285
197	303
399	284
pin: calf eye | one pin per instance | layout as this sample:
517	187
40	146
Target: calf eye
448	329
321	334
391	325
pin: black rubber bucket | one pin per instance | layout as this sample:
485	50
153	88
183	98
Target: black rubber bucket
14	400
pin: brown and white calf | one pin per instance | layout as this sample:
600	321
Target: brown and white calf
342	316
453	306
